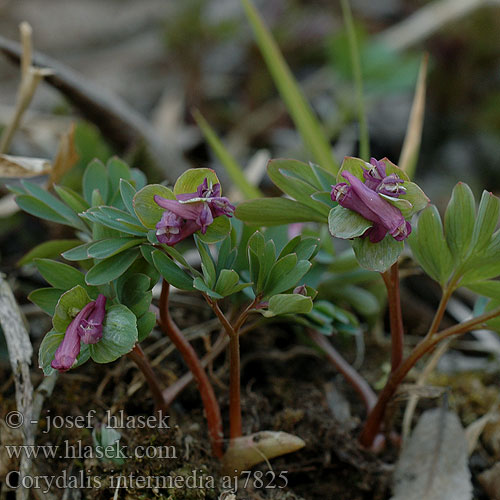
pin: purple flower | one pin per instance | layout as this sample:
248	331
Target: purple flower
367	202
86	327
300	290
90	328
68	350
191	212
376	179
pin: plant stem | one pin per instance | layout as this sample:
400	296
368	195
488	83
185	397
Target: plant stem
391	280
139	358
438	317
212	410
374	420
233	332
359	384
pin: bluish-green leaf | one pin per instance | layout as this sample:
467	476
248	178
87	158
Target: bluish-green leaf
377	256
200	285
276	212
486	221
145	324
48	348
345	224
127	192
111	268
459	220
46	299
429	246
68	306
107	248
288	303
60	275
145	207
48	249
119	335
172	273
95	177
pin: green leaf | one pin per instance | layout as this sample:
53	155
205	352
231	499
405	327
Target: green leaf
38	209
189	181
48	249
489	289
415	196
279	270
46	299
207	263
114	219
107	248
276	212
72	199
58	206
127	192
345	224
377	256
302	115
429	245
68	306
79	252
200	285
217	231
459	220
228	283
135	293
48	348
111	268
145	324
95	177
288	303
234	170
119	335
486	221
286	281
145	207
117	170
60	275
172	273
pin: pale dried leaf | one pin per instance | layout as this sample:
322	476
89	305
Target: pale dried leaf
13	167
406	391
66	157
433	466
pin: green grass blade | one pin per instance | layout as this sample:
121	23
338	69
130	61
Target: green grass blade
364	137
299	109
233	168
411	144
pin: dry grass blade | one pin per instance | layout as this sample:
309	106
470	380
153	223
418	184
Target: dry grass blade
411	144
30	78
117	121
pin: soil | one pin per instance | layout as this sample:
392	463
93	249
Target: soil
331	466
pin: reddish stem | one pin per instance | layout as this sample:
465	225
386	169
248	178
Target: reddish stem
233	333
374	420
391	280
212	410
359	384
139	358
